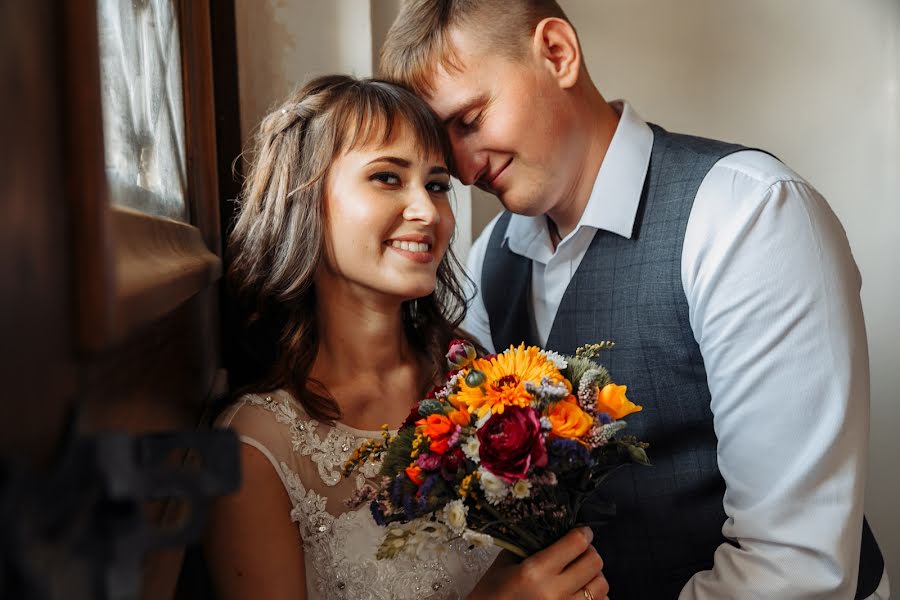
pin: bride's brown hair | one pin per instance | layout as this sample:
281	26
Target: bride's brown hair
278	236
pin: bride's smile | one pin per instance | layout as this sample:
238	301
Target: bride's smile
388	218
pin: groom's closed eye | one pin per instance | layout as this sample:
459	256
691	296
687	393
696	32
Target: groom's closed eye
465	114
471	121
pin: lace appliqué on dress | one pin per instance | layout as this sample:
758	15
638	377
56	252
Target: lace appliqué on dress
329	454
340	550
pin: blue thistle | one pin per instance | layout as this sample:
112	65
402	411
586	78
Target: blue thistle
378	513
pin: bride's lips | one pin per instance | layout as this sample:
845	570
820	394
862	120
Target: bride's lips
415	247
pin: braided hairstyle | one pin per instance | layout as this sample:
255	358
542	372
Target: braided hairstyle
278	237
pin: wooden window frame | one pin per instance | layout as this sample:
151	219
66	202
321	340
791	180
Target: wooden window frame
132	268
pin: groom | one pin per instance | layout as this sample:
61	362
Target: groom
723	277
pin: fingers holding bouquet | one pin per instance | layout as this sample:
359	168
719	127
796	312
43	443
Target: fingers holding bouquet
569	568
580	577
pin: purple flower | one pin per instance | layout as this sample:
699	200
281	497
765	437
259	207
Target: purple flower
423	500
378	513
428	461
565	455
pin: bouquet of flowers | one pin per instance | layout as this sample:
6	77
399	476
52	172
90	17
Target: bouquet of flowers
505	452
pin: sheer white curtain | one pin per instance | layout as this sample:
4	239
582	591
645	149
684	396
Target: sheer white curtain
143	114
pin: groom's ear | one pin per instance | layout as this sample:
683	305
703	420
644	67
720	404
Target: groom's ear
555	43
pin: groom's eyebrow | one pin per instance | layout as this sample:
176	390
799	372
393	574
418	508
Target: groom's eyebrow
466	107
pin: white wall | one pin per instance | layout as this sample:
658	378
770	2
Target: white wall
283	43
817	83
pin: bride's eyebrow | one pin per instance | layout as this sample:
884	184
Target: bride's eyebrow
406	164
400	162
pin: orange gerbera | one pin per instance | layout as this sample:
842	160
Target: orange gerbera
505	378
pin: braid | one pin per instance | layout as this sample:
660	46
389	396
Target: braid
289	115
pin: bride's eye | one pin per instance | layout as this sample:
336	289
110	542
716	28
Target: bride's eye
437	187
386	177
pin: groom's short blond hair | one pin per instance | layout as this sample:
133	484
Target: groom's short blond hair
419	42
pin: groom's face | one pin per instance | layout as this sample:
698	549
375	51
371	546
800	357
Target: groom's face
508	125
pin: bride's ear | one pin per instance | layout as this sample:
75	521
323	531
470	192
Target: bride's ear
555	44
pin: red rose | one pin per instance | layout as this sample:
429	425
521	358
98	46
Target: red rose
413	416
511	443
460	354
451	462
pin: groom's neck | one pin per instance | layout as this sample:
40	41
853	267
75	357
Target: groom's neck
599	121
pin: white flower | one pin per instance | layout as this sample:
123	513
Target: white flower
557	359
455	514
453	382
521	489
478	540
495	489
470	448
482	420
394	542
427	541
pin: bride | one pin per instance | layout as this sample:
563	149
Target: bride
341	247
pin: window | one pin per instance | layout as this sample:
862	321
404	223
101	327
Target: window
142	162
143	111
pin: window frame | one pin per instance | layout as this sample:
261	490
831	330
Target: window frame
130	268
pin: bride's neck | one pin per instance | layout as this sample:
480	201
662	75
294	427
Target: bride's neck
359	335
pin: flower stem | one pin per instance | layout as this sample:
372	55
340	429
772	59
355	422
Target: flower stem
510	547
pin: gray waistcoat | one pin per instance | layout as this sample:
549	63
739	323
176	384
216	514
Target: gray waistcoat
669	516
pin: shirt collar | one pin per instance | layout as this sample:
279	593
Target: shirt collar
616	194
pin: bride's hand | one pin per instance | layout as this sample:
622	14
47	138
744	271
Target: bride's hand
570	569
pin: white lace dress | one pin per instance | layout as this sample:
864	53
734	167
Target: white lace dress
339	543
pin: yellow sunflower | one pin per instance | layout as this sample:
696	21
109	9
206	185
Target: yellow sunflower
505	377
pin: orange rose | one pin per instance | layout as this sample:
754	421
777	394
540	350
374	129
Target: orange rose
415	475
438	428
611	400
460	417
567	420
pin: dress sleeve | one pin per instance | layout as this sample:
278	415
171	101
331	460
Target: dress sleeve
258	427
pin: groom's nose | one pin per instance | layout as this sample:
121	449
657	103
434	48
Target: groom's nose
469	165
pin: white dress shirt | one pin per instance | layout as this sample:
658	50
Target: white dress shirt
773	298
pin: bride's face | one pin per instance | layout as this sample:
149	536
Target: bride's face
388	219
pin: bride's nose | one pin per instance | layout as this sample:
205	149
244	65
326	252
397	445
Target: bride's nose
420	207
